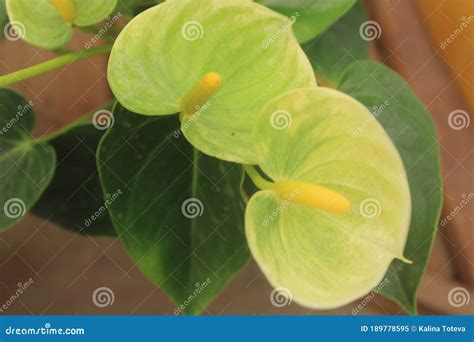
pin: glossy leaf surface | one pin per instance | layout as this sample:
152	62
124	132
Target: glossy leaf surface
180	214
26	165
410	126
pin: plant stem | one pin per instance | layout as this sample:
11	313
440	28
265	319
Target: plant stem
85	119
94	30
62	51
257	179
52	64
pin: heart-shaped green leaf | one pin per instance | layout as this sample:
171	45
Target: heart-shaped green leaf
311	17
74	199
410	126
339	210
180	215
217	62
48	23
26	165
334	50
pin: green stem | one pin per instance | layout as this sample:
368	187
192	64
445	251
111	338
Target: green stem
94	30
62	51
257	179
52	64
88	29
86	119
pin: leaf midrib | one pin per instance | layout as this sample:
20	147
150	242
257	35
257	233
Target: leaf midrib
194	182
25	145
194	190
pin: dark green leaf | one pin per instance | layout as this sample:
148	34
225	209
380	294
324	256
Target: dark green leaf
74	198
311	17
26	164
133	7
338	47
410	126
3	17
180	213
3	12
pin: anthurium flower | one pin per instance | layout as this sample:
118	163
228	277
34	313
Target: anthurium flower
217	62
338	210
48	23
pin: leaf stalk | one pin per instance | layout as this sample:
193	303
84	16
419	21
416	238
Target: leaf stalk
51	65
257	179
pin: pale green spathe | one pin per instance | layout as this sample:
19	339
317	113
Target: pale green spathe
323	137
166	50
41	25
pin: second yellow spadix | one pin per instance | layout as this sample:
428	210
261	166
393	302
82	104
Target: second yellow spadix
313	195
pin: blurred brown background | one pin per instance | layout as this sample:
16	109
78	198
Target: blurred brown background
67	268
